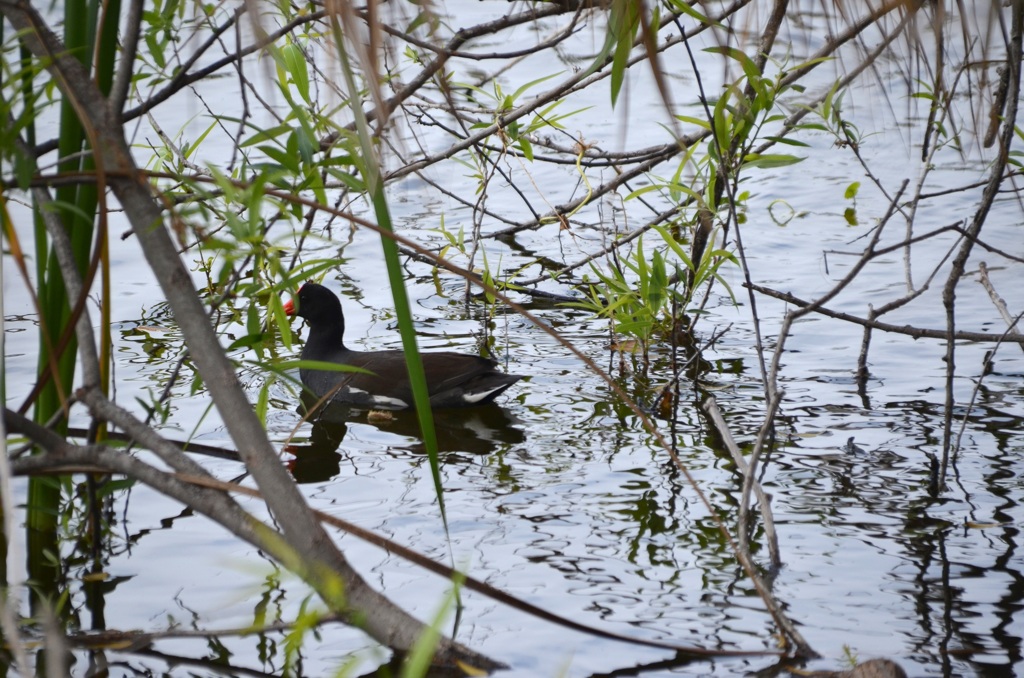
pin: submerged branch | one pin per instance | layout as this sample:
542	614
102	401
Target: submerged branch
748	471
1015	52
1000	304
305	548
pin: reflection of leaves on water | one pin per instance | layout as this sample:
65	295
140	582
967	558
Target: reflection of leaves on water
155	342
156	332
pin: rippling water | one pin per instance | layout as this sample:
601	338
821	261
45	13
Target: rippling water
561	498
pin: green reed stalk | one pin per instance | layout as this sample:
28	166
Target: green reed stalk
77	206
375	185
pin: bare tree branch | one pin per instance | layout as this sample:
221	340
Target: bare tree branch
302	533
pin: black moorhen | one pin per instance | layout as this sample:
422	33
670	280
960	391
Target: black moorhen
453	379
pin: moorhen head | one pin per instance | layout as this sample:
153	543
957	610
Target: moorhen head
453	379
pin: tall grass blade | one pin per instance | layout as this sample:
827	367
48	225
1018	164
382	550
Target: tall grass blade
375	186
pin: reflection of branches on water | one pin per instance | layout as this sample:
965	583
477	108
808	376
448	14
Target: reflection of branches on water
748	470
959	251
476	135
485	134
986	368
1015	52
192	484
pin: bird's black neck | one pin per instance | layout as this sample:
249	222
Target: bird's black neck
325	339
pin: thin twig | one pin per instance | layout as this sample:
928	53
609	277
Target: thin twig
985	369
999	303
1015	50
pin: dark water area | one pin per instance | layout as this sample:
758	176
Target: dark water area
559	496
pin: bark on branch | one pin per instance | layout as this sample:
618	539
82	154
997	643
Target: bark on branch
302	534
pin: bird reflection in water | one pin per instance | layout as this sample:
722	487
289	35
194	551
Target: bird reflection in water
464	431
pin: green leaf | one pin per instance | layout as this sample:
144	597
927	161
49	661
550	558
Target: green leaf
851	190
602	55
263	403
519	92
687	9
526	147
544	118
700	122
253	323
636	328
24	169
156	50
289	161
829	102
722	127
320	365
315	182
622	28
641	191
676	248
770	160
788	141
808	64
295	65
748	65
353	182
266	134
275	310
307	144
195	144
